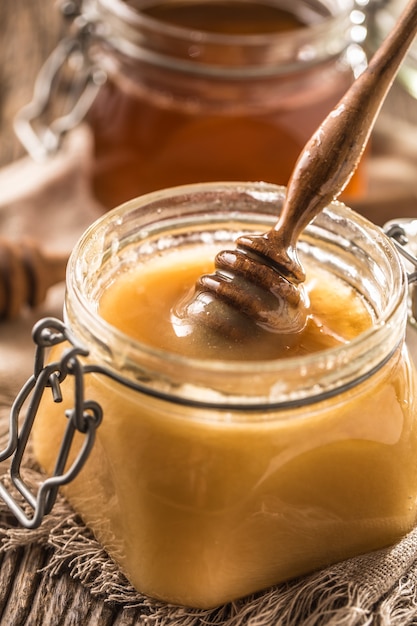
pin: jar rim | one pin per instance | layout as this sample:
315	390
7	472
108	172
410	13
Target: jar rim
388	330
150	40
128	13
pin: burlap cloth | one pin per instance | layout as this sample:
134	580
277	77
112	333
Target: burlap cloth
53	203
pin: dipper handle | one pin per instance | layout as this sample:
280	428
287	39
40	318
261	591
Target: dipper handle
26	274
331	156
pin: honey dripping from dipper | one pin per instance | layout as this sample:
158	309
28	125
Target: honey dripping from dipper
258	287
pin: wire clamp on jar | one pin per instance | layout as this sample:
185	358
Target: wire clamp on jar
40	137
403	233
85	416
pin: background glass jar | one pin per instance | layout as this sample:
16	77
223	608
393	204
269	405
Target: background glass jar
213	479
205	91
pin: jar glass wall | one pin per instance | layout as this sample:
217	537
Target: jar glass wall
212	479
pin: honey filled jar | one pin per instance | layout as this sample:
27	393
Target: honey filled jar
207	91
216	473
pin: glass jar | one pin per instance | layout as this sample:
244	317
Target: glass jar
213	479
184	105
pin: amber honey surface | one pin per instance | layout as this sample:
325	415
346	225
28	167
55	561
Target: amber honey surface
141	303
156	125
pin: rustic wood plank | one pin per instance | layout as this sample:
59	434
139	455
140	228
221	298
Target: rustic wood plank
50	602
131	617
103	614
23	584
32	597
9	566
78	609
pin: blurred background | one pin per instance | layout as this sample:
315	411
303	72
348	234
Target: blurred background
29	30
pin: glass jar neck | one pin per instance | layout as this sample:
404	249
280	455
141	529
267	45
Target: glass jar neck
350	246
326	34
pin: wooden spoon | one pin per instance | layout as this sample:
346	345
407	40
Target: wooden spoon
260	281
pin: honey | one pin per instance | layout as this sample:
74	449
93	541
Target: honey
337	314
200	510
213	478
215	91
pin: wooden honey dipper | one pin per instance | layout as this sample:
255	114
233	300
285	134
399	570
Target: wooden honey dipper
261	280
26	274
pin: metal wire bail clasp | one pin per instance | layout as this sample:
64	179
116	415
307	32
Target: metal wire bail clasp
38	128
84	417
403	233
